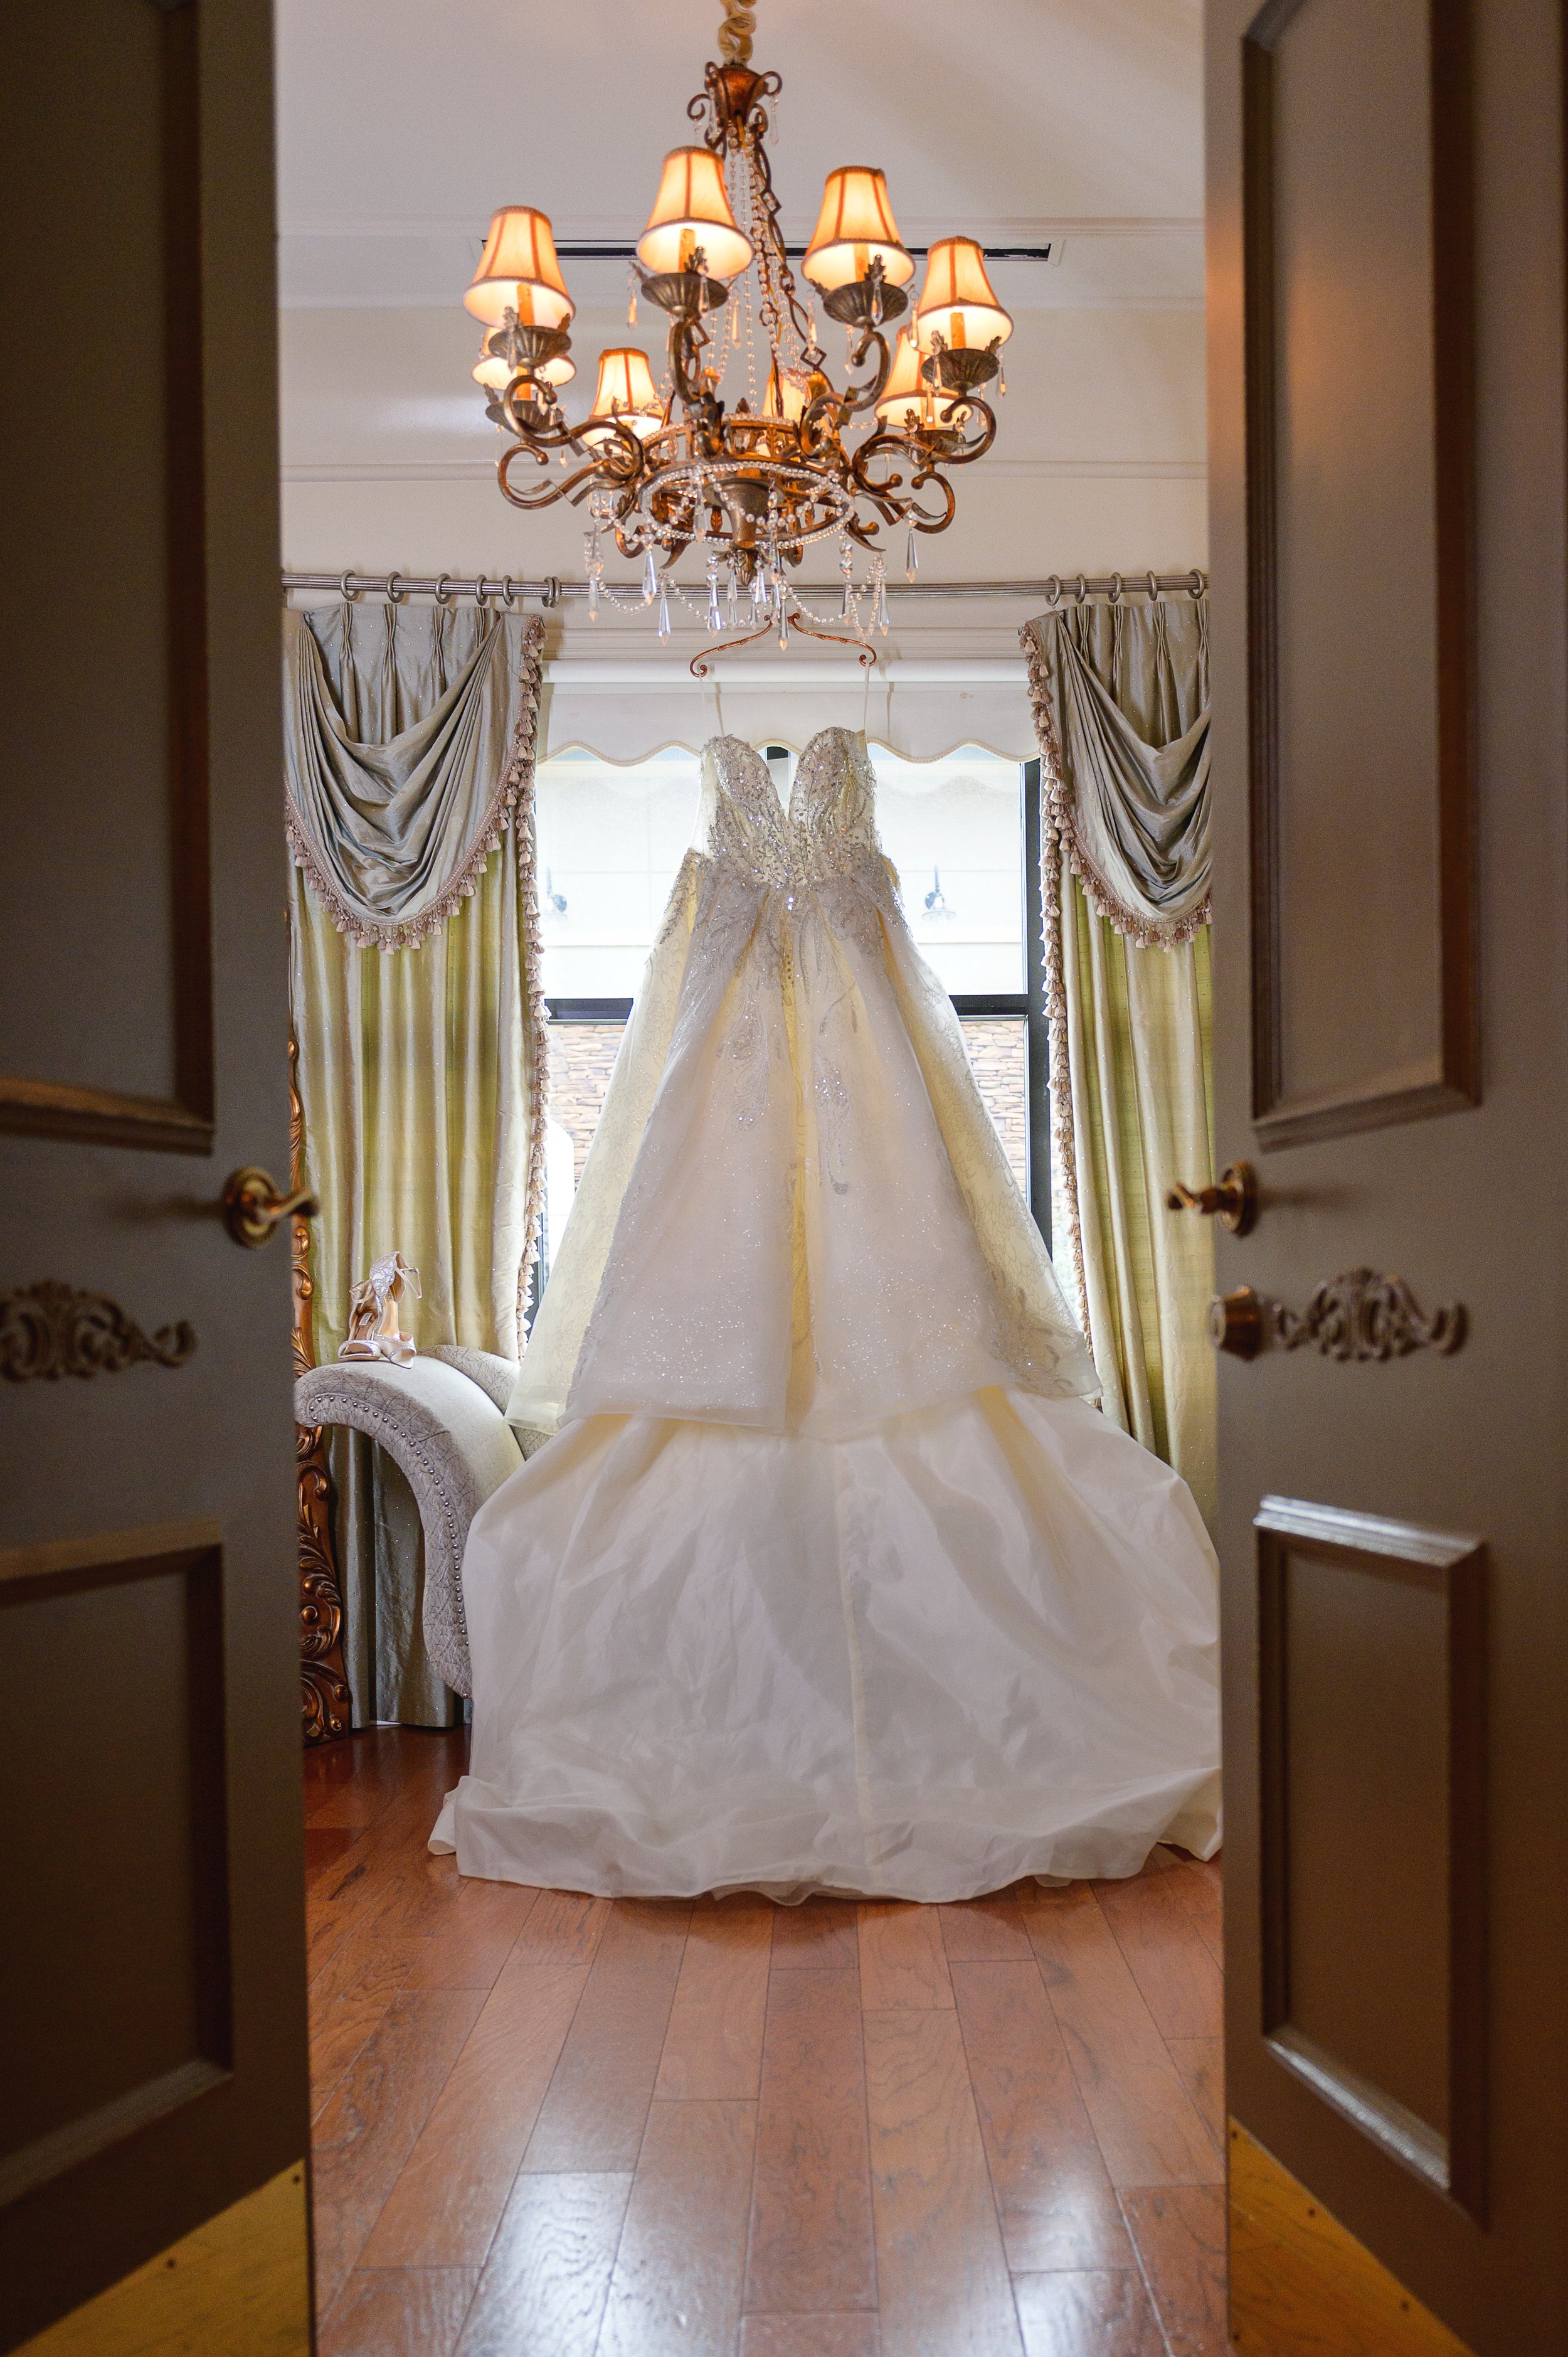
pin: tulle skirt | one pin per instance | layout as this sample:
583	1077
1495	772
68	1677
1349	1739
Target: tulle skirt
975	1643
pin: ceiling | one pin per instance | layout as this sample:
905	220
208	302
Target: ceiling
402	123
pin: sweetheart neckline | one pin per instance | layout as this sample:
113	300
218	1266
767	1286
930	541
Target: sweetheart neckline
785	805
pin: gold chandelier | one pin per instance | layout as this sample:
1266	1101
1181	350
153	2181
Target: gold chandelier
752	483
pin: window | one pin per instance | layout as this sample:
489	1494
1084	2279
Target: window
963	833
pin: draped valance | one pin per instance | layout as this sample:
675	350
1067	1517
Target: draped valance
401	785
1121	696
919	707
1125	770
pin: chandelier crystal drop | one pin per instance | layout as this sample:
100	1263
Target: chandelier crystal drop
747	449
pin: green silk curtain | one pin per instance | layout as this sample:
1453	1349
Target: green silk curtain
1121	696
419	1071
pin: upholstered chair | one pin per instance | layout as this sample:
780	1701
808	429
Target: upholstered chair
442	1419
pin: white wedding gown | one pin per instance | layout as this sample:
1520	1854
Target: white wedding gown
832	1578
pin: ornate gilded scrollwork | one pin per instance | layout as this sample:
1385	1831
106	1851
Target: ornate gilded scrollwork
324	1690
1357	1316
49	1329
325	1698
1362	1315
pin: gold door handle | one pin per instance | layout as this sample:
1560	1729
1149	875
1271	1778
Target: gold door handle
254	1211
1234	1202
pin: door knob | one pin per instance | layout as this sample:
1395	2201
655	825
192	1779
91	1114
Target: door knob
1234	1202
1236	1323
254	1211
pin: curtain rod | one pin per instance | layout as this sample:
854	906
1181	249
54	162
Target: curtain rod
590	250
498	589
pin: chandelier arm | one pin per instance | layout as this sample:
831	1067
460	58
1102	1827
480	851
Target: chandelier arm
967	452
606	465
889	488
866	655
834	410
699	663
544	495
920	519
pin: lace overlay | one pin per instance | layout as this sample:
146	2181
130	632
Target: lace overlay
796	1214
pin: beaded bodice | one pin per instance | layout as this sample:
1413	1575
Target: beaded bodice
828	830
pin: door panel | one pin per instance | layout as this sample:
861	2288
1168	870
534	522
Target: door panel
1394	1697
154	2062
102	412
1359	454
1371	1697
123	1843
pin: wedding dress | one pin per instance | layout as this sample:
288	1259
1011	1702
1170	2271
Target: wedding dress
832	1578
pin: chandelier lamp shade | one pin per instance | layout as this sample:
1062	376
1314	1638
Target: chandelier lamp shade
958	311
907	400
855	227
519	272
746	453
624	390
691	213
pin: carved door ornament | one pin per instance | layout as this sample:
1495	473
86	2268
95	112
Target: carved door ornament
49	1329
1358	1315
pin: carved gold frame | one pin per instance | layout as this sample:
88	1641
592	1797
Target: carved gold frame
327	1703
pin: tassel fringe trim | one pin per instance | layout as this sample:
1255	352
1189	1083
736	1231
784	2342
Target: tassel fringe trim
1136	925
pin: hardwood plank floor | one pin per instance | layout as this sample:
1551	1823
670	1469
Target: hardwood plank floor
596	2107
811	2244
1055	2200
941	2276
677	2283
712	2047
444	2210
551	2126
399	2312
1148	2129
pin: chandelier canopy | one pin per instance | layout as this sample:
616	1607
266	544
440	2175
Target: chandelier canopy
752	481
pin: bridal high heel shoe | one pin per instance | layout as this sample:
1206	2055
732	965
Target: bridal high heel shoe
372	1313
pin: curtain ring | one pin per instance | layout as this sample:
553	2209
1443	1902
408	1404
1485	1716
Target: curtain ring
1199	585
481	596
1114	592
1154	588
508	593
441	594
349	597
394	596
1054	590
552	589
1081	592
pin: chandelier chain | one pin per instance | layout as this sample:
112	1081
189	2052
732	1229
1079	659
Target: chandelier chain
735	32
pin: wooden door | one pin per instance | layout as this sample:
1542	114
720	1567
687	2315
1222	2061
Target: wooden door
1385	253
153	2084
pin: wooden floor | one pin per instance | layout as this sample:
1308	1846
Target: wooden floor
555	2126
